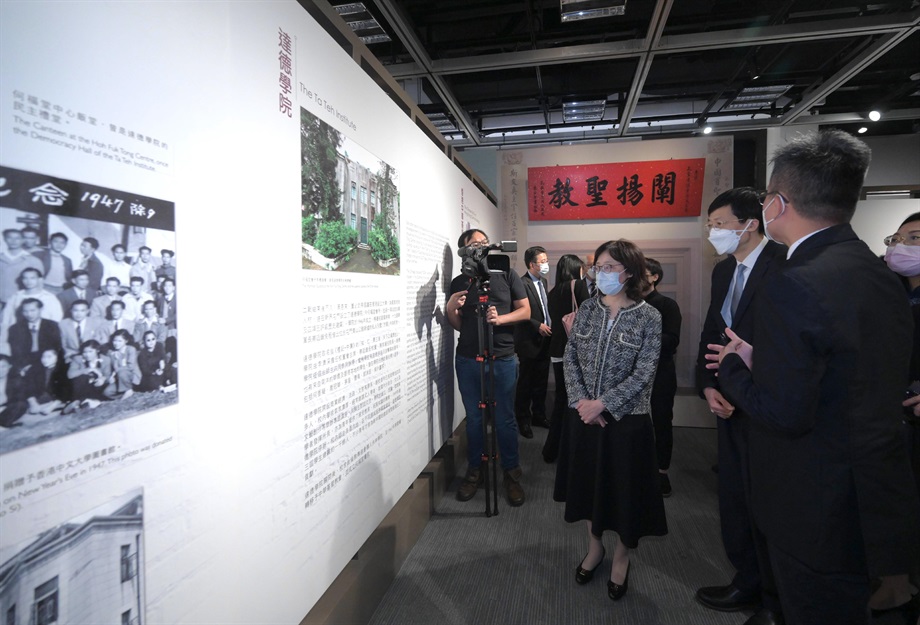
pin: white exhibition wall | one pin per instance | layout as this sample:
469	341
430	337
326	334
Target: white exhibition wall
309	400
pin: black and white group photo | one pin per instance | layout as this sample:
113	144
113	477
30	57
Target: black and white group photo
88	327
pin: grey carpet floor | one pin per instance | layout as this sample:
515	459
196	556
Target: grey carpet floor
518	567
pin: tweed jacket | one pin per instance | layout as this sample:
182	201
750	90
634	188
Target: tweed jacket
616	365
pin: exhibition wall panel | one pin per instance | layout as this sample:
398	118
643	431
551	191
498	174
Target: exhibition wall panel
309	227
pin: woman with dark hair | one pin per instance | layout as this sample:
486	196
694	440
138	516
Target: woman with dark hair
568	293
896	592
151	358
125	372
607	473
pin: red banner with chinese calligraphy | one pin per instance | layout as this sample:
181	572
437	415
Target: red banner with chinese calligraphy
672	188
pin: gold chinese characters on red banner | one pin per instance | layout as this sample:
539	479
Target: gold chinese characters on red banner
672	188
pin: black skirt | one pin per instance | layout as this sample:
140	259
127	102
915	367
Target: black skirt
609	476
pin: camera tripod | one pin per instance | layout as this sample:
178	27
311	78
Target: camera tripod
486	359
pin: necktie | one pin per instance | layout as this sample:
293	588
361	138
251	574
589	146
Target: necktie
737	289
592	288
543	301
79	334
34	330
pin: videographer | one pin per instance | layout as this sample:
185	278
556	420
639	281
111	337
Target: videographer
507	305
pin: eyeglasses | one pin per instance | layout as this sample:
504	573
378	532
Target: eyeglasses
721	224
912	238
608	268
477	244
766	195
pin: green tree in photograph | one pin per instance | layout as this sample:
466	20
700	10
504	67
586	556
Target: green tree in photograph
308	226
319	144
382	239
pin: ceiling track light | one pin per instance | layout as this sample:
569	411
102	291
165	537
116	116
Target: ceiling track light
576	10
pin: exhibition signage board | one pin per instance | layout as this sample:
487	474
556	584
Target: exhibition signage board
670	188
313	229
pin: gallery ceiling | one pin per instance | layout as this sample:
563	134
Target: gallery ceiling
493	72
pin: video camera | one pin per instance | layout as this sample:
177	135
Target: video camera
477	263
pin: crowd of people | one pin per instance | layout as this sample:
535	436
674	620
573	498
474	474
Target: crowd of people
77	332
818	445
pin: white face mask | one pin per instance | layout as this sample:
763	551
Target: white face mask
726	241
609	283
544	268
763	215
590	273
904	259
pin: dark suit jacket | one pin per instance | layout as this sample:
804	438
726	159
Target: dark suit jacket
560	304
49	337
45	256
69	296
770	259
528	342
830	479
666	375
95	269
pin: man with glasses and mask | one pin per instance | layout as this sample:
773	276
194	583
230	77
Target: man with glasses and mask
823	383
735	228
507	306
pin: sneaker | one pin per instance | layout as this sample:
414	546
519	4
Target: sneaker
471	482
665	483
513	491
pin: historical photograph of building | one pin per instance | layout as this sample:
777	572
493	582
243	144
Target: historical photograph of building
349	203
87	570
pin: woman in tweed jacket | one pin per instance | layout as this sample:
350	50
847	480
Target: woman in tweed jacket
607	473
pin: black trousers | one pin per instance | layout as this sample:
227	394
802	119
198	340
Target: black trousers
664	388
560	403
744	544
810	597
530	396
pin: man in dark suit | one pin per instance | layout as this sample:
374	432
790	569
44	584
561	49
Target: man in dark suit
32	335
735	228
91	263
79	291
589	279
830	476
531	342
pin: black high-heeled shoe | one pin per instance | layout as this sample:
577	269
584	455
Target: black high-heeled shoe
583	576
616	591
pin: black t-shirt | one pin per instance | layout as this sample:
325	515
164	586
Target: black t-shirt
504	288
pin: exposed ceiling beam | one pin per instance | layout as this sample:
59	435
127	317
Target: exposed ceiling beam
674	44
719	128
653	36
403	30
819	90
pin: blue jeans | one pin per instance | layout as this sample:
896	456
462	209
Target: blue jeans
468	379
